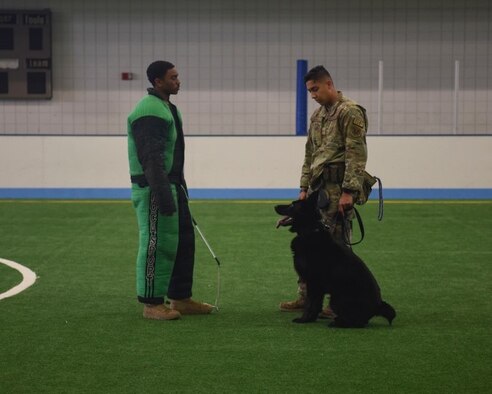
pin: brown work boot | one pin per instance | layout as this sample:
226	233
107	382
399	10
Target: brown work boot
293	306
160	312
191	307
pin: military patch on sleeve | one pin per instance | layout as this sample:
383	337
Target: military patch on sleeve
359	122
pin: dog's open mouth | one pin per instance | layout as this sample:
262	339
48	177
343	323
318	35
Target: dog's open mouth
285	221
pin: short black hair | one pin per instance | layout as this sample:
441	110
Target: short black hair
158	69
317	73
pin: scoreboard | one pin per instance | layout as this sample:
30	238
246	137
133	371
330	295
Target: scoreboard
25	54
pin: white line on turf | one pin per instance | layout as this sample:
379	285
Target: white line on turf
28	278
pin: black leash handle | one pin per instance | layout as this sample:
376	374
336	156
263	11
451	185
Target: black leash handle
381	199
345	232
359	219
345	229
346	237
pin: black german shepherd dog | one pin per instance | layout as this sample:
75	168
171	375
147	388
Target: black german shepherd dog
330	268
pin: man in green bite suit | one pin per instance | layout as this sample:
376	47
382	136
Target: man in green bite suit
166	251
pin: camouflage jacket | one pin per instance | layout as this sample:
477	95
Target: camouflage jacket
337	135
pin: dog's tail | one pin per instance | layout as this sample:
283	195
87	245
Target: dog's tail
387	311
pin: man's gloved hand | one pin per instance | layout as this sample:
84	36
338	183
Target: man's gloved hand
167	208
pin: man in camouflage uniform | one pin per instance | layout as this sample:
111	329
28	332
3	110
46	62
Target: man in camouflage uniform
335	160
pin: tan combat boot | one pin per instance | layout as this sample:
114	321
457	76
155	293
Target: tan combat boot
160	312
297	305
188	306
327	313
293	306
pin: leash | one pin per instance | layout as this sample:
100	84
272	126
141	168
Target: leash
346	223
202	236
381	200
346	229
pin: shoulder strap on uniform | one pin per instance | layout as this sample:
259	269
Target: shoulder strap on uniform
363	110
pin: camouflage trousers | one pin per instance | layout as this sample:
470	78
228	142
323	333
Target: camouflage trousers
328	199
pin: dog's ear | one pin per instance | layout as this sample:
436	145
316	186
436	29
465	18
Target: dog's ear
313	196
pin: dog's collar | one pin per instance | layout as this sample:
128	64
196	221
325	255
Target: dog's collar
324	227
321	228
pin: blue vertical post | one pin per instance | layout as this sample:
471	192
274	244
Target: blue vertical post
301	98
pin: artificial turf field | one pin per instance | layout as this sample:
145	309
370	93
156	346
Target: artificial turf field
79	329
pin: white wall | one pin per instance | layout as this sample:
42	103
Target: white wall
237	62
242	162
